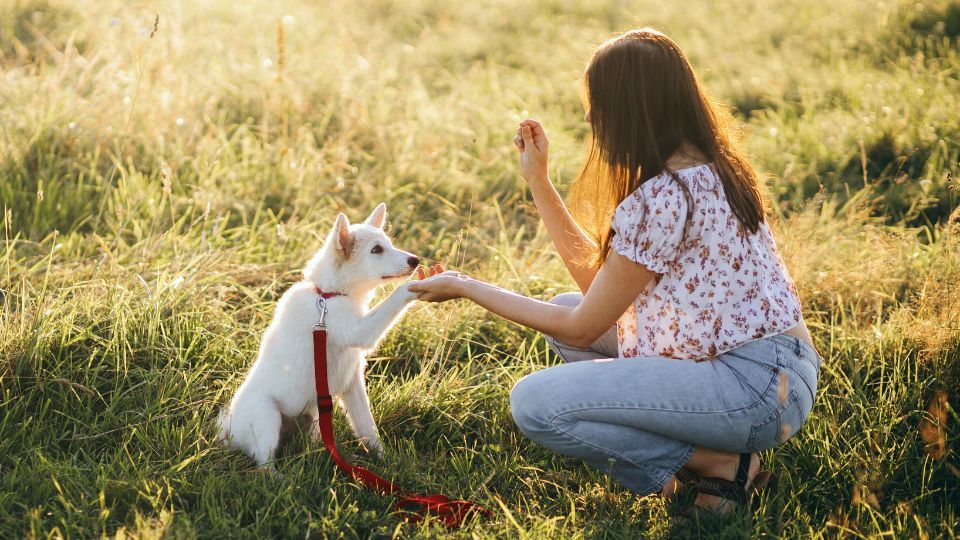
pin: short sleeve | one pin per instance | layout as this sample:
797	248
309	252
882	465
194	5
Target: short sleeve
648	225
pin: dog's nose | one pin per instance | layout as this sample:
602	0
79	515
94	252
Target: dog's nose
413	261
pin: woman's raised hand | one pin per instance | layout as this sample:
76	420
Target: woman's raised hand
531	140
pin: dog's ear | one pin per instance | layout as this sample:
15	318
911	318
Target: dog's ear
342	239
378	217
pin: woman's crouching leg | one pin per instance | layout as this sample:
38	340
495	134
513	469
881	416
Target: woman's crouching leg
556	416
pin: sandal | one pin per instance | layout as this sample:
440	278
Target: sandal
687	478
734	491
685	481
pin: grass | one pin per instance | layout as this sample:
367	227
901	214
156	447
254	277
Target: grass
162	185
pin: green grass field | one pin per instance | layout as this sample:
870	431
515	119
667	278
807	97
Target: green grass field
166	169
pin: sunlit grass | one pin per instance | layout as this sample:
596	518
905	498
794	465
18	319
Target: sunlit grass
159	193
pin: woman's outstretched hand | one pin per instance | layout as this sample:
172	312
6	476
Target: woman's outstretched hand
436	285
531	140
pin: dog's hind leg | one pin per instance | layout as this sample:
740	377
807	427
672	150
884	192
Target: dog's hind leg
311	415
255	427
357	406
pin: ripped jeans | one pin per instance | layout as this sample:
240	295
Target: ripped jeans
638	420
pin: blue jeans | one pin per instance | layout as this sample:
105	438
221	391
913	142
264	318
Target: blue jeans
638	420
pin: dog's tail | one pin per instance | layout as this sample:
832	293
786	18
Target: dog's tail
223	425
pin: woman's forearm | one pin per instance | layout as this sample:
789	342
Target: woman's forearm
550	319
572	243
617	284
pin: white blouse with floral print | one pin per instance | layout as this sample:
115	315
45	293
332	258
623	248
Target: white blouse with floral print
717	286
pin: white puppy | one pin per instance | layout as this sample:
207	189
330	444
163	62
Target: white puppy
354	261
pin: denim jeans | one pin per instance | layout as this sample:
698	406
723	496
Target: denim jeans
638	420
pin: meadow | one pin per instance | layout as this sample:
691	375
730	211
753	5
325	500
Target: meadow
167	168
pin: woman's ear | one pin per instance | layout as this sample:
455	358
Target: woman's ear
342	239
378	217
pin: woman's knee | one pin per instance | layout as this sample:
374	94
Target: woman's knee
530	404
568	299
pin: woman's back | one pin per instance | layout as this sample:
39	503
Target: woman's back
718	286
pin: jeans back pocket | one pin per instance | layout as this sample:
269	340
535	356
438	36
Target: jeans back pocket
778	426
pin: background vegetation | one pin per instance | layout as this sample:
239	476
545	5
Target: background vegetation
167	167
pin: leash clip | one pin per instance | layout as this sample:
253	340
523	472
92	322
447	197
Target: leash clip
322	308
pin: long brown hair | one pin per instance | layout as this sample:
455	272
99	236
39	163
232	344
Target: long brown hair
644	102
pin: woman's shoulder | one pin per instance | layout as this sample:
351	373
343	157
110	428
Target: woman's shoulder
661	195
672	193
671	183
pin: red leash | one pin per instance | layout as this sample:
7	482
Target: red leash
413	507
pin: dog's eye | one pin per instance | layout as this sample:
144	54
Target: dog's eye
377	249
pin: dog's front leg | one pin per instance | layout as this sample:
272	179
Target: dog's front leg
378	320
356	405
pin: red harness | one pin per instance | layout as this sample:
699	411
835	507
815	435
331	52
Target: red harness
413	507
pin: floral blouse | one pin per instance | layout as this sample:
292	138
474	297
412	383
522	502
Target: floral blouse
717	286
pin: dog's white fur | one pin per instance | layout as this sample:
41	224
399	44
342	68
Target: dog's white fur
280	385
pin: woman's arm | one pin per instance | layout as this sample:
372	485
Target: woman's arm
618	283
573	244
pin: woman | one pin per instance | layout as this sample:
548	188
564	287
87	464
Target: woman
686	353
